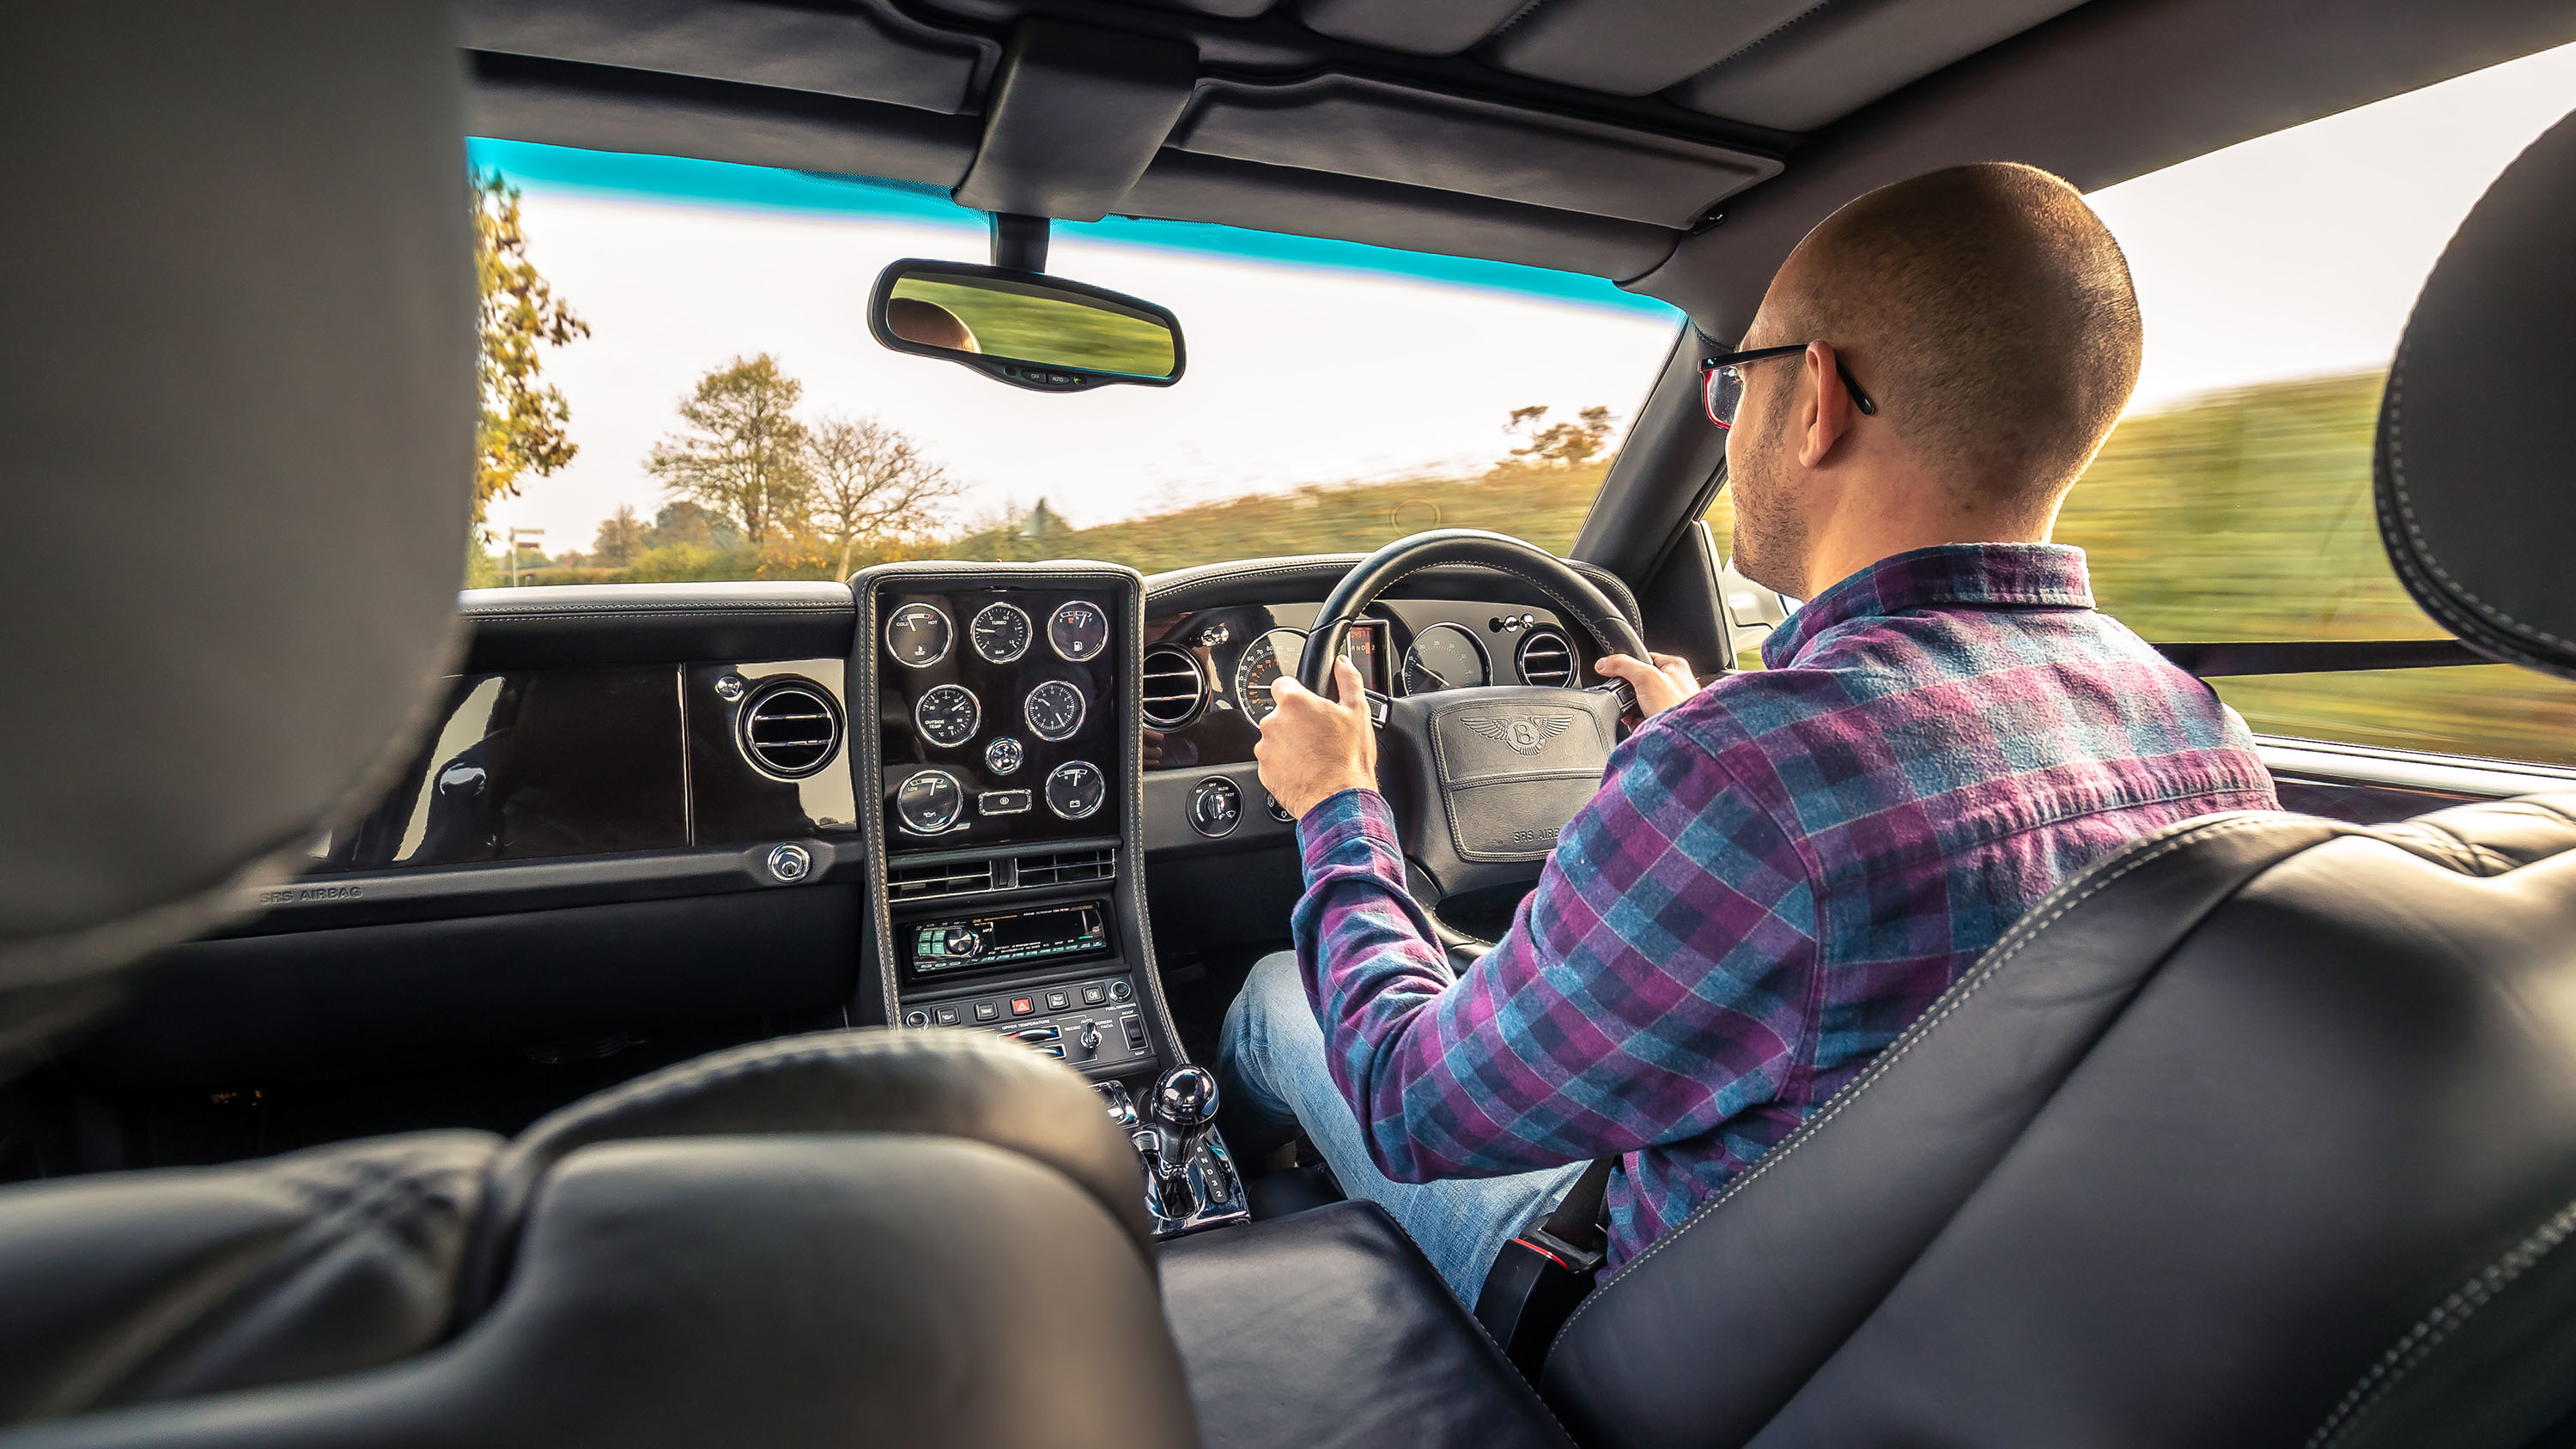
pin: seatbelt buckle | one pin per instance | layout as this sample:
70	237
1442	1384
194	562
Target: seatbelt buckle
1565	1255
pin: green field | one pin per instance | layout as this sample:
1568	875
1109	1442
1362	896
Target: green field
2239	516
1050	332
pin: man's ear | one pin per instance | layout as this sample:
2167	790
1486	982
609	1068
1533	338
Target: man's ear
1826	412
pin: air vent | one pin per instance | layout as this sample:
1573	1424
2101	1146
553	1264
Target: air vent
950	878
791	730
1175	691
1066	867
1546	659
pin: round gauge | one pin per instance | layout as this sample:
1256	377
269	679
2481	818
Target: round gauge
1000	632
918	635
929	801
1268	658
1075	789
1078	630
1445	656
1004	755
948	715
1054	710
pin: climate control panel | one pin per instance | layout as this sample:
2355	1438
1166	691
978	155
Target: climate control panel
1094	1025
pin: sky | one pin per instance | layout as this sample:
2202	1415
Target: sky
1319	362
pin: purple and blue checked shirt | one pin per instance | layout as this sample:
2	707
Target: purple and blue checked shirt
1778	875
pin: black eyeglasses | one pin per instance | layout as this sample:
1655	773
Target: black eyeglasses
1723	385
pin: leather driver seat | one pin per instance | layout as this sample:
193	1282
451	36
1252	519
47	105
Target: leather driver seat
2263	1130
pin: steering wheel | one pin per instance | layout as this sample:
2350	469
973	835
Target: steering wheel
1481	780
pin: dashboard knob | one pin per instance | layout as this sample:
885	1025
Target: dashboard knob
1090	1038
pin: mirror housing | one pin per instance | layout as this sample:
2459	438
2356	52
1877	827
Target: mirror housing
1025	328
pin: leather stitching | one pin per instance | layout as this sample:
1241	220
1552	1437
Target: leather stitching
2046	913
2417	542
2420	1342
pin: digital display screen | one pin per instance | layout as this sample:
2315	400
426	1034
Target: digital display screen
1366	648
1000	940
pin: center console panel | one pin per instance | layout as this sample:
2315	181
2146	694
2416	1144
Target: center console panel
998	758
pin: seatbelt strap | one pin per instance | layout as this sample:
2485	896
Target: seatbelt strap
1545	1270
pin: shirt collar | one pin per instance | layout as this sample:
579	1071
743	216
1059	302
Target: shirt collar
2007	575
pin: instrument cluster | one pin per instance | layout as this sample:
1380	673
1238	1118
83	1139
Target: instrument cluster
998	715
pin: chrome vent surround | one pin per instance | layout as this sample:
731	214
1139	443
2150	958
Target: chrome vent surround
1068	866
791	729
1546	659
948	878
1175	690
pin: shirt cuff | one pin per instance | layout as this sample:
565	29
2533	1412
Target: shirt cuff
1353	829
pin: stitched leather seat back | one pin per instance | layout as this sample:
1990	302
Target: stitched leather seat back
241	416
2209	1151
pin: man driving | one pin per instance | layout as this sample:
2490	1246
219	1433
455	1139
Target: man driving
1785	868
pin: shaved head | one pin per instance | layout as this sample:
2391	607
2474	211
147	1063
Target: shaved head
1993	314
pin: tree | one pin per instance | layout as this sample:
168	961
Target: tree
621	538
524	419
746	457
1560	445
872	481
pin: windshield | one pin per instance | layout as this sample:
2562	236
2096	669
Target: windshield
680	385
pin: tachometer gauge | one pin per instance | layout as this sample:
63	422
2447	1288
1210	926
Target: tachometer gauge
1075	789
929	801
1003	756
1078	630
1053	710
948	715
1273	654
918	635
1000	632
1444	656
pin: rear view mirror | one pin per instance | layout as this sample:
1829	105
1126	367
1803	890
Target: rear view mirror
1025	328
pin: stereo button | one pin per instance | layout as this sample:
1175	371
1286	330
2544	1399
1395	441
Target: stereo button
950	1016
1059	1001
1093	993
988	1011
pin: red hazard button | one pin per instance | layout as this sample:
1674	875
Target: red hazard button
1022	1006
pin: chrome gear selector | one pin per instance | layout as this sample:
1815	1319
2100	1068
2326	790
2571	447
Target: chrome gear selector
1183	1104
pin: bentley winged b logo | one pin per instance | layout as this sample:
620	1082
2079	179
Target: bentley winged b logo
1525	733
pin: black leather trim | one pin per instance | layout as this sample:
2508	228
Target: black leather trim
789	1291
1302	580
579	626
1796	1252
1328	1330
949	1083
2475	431
143	1287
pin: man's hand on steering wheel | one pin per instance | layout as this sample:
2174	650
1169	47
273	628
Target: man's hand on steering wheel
1313	748
1659	686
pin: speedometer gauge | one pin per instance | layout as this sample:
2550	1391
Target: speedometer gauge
948	715
918	635
1078	630
929	801
1444	656
1271	655
1053	710
1000	632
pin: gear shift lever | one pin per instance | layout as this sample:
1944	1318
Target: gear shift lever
1184	1106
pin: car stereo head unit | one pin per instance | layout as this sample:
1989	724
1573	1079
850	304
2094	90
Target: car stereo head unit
1011	938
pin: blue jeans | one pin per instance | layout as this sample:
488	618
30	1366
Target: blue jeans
1272	1058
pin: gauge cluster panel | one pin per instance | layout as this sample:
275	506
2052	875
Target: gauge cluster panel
998	714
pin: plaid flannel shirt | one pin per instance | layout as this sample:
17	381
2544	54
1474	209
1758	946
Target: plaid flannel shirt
1777	876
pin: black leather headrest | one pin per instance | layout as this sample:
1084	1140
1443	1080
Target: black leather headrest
2476	473
239	400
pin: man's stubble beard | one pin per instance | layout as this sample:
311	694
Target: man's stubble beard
1770	544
